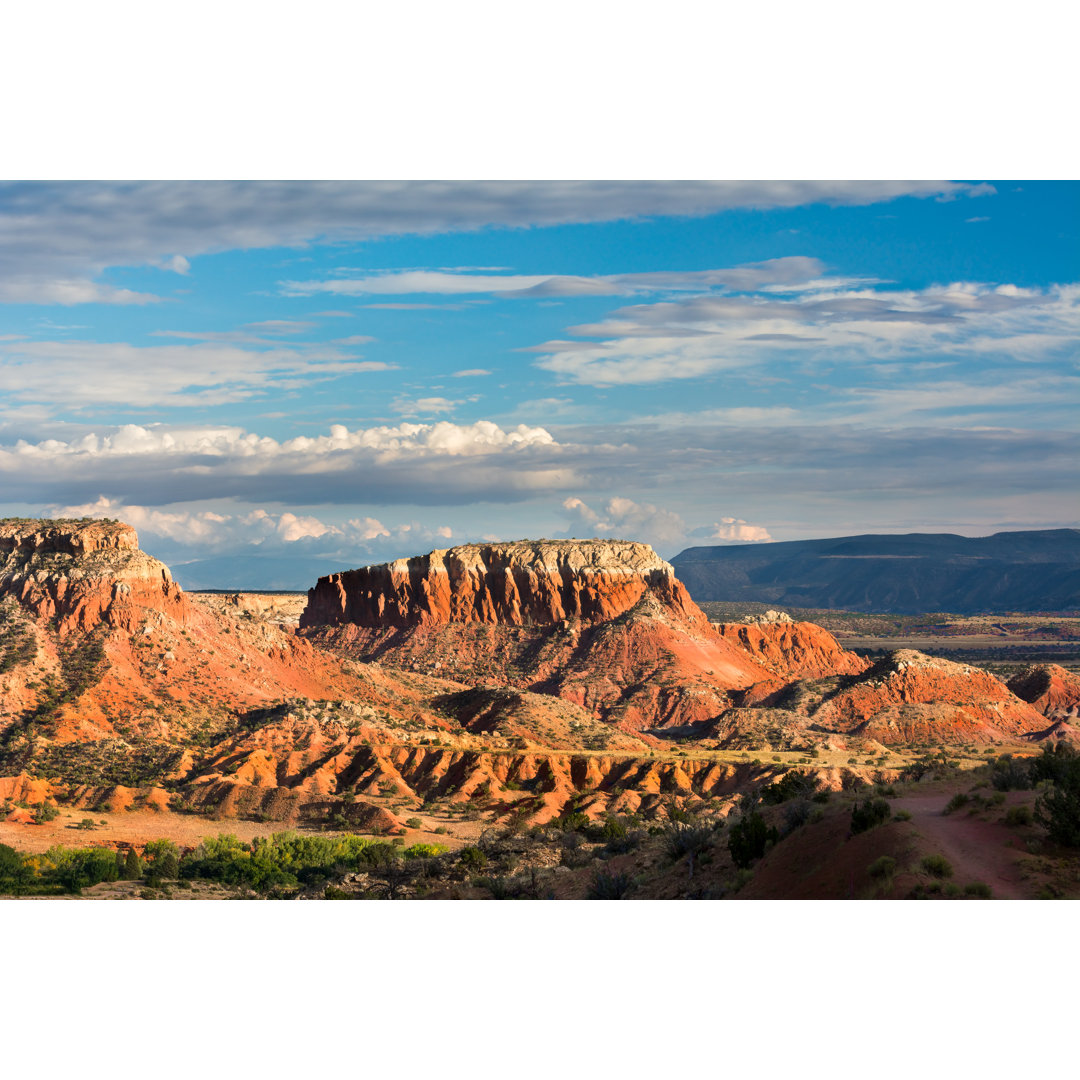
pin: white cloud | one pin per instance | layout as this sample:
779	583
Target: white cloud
732	531
702	335
437	463
57	237
177	264
625	519
426	406
261	531
791	273
26	289
469	373
78	374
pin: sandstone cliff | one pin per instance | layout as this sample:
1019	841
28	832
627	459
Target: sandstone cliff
604	624
513	584
79	574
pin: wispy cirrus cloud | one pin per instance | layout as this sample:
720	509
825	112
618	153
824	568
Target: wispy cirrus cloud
790	273
681	339
57	238
77	375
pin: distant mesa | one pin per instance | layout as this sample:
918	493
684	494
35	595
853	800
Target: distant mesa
512	584
905	574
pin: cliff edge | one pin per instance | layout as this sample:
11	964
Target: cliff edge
77	574
521	583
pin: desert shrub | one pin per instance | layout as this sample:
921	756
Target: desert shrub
47	812
792	785
414	823
610	886
748	839
1010	774
423	851
688	840
75	869
937	866
869	814
957	801
87	823
902	815
472	860
978	890
1057	762
742	877
573	821
882	868
14	873
1057	809
1018	815
796	814
613	829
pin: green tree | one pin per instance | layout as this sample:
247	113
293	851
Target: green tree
748	839
133	866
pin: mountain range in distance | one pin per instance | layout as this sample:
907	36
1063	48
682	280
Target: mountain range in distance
1037	570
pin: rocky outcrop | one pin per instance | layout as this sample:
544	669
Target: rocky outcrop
79	574
523	583
910	697
793	649
603	624
1050	688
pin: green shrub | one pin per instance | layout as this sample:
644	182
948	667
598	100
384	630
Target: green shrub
610	886
978	890
937	866
414	823
1018	815
882	868
792	785
902	815
1010	774
869	814
1057	809
748	839
688	840
957	801
472	860
423	851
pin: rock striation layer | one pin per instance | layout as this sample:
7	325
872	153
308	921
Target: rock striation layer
79	574
514	584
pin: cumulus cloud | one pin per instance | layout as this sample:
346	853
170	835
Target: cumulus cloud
258	533
630	521
470	373
78	374
625	519
432	463
732	531
681	339
57	237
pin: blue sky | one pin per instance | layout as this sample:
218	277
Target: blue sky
272	381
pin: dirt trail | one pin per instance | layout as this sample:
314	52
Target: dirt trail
979	850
